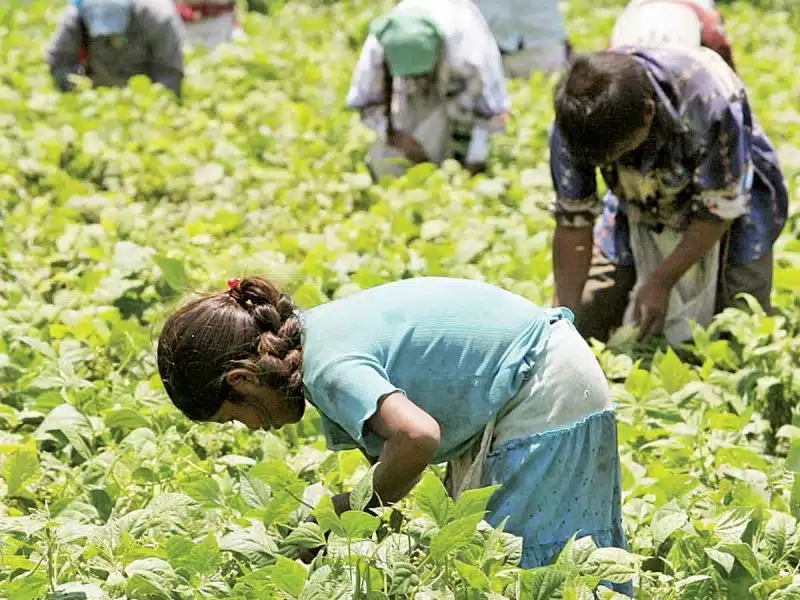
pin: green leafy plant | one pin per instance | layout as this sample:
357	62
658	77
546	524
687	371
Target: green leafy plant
116	203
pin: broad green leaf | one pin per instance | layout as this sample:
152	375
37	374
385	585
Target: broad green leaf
672	372
289	576
741	458
794	501
39	346
67	421
203	489
258	584
150	577
611	564
173	272
730	526
639	383
306	535
793	459
253	543
764	589
666	521
604	593
308	295
361	495
27	587
358	524
431	497
577	590
778	531
723	559
196	558
284	501
327	518
694	586
126	419
454	535
254	491
328	583
473	502
541	584
566	558
20	468
274	473
78	443
473	576
178	548
103	502
744	555
348	461
15	561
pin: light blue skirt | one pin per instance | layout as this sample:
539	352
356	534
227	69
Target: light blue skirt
556	484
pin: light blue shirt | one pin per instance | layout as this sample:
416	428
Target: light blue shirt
458	349
532	24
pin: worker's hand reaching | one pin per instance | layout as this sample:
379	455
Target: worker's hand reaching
651	304
412	149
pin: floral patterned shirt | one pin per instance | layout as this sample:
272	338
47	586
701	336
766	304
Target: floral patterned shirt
699	162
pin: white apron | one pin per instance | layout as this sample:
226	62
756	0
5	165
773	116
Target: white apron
655	24
211	31
425	118
694	295
566	386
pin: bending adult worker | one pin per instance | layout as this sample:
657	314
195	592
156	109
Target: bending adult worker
696	197
430	82
683	22
110	41
530	34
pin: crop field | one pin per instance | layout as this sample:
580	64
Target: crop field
117	204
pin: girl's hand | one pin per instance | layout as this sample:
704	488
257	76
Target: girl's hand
476	168
341	503
651	306
306	555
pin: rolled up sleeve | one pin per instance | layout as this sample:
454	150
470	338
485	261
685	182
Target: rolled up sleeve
347	393
367	85
724	176
576	203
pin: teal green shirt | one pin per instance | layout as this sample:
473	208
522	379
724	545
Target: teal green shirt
458	349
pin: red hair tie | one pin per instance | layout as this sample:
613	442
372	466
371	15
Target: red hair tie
234	284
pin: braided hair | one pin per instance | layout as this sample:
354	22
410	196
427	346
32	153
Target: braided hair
250	329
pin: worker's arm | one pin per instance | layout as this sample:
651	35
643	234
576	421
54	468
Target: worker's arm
63	55
575	208
410	439
572	256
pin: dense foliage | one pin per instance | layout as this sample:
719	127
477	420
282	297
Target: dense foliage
116	203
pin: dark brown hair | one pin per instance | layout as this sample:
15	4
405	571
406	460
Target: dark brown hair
251	328
600	102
